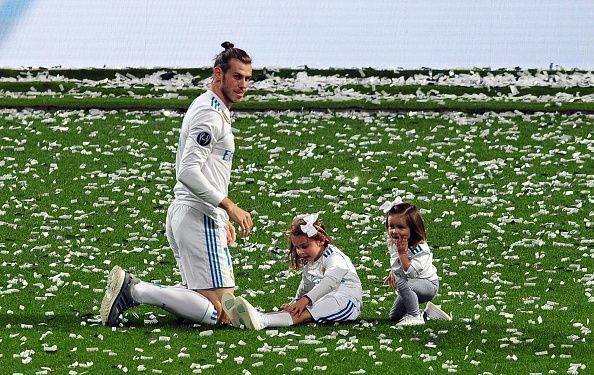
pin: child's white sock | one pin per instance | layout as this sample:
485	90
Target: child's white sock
180	301
282	319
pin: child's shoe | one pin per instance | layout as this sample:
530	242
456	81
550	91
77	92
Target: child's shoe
433	312
118	296
411	320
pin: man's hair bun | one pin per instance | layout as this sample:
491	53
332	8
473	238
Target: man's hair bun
227	45
230	52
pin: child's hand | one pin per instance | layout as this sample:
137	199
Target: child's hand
402	244
297	308
389	280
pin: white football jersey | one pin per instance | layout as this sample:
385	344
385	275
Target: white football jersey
205	153
421	263
333	271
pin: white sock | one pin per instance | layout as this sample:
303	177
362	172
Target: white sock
182	302
282	319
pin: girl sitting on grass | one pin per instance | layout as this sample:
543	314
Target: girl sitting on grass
330	290
413	272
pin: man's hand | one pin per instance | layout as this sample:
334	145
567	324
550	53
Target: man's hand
231	236
241	218
238	216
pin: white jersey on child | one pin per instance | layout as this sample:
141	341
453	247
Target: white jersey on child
421	263
332	272
205	151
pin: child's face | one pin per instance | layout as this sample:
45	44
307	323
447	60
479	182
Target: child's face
398	227
308	248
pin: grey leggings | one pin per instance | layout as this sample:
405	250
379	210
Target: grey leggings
411	292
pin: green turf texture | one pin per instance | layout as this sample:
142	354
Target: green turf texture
507	202
54	103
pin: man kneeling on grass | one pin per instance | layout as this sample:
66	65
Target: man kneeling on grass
198	224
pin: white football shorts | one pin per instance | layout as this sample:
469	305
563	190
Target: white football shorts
335	307
199	245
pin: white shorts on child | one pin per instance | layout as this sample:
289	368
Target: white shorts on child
335	307
199	245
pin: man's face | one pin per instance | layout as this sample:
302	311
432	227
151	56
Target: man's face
235	81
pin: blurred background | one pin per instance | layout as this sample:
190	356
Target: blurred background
317	34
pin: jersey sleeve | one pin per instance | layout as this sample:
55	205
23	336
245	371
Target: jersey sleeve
204	131
301	290
419	262
336	269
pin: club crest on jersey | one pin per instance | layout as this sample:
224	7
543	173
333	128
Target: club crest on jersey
203	138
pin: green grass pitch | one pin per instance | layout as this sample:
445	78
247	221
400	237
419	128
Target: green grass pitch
506	197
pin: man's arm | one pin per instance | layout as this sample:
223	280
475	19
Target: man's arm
201	137
203	132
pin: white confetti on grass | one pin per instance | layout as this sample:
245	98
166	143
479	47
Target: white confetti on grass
457	253
304	86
